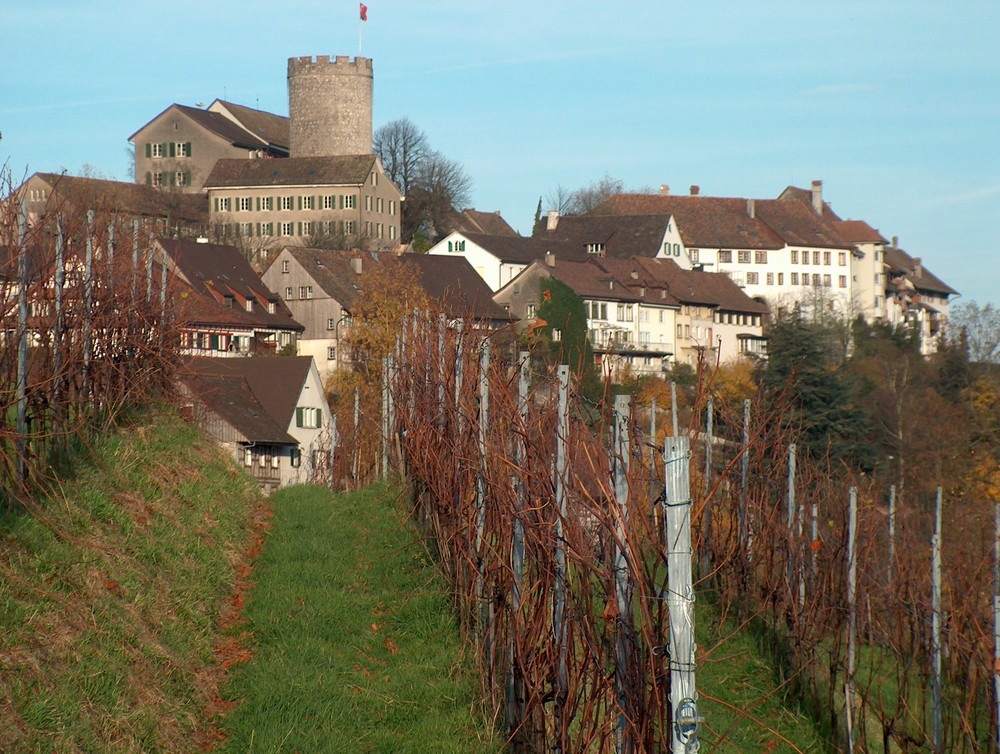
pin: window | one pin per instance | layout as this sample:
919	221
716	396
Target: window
308	202
285	265
181	178
267	229
302	291
272	307
556	335
249	304
286	229
826	257
644	336
295	457
331	353
827	281
368	202
329	202
677	249
245	204
595	248
753	278
289	291
795	256
309	291
842	281
693	253
743	257
307	228
310	418
223	204
248	457
531	311
805	257
760	257
157	179
598	310
349	227
781	278
350	201
815	257
285	203
805	278
331	323
374	178
842	258
770	278
392	232
380	206
725	255
155	150
392	207
246	229
624	313
816	279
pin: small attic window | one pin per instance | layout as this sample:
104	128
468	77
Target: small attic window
228	301
595	248
249	304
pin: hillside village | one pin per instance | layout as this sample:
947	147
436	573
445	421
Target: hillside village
263	225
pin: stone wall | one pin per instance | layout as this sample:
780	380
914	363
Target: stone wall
330	105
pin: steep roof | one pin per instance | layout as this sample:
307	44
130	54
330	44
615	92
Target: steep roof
591	280
805	196
702	221
474	221
273	129
133	199
524	250
215	271
275	382
899	264
346	170
332	271
622	236
452	282
858	231
798	225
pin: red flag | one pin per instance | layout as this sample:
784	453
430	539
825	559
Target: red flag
364	12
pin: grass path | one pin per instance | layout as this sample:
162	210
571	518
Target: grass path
355	648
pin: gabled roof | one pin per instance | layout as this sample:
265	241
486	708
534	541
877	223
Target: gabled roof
622	236
222	387
590	280
346	170
899	264
214	272
798	225
332	270
273	129
696	287
474	221
522	250
702	221
133	199
858	231
456	286
805	196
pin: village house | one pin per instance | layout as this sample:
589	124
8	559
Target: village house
223	307
270	413
179	147
915	296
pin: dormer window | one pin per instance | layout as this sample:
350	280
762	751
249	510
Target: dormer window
595	248
228	301
249	304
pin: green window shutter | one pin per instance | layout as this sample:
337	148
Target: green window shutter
340	201
173	178
216	204
187	178
258	230
298	416
341	226
187	148
149	179
299	202
149	149
300	229
171	148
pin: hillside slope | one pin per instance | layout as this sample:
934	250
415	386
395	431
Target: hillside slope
113	596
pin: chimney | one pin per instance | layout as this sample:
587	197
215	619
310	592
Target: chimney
356	265
550	259
664	189
695	190
553	220
751	209
817	197
918	268
895	242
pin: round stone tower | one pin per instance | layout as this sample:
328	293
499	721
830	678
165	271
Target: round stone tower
330	106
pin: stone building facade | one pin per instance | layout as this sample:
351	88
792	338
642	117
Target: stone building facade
330	105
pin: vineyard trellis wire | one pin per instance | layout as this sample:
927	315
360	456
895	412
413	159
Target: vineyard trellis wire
537	511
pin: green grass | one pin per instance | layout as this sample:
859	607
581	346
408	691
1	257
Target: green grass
355	647
111	595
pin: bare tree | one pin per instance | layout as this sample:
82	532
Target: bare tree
560	200
401	147
584	199
981	325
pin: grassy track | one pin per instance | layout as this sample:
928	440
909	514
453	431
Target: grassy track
355	648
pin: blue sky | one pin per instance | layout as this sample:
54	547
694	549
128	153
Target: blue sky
894	106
